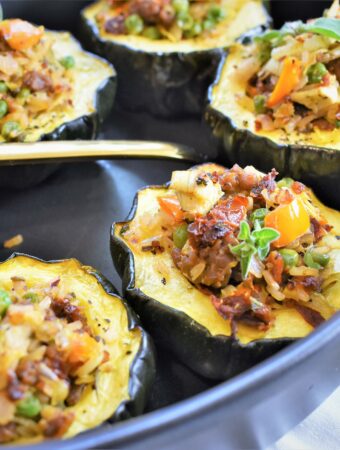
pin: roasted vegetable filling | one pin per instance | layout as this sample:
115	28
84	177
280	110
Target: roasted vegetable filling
249	242
48	359
32	80
294	74
162	19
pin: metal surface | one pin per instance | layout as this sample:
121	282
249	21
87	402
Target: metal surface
57	151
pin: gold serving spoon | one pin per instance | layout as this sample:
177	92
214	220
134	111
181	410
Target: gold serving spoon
58	151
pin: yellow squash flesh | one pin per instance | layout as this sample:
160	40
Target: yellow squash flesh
89	73
241	16
228	98
181	295
112	379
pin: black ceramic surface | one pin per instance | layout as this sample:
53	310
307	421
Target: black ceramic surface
70	215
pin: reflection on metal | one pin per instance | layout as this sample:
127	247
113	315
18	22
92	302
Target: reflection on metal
56	151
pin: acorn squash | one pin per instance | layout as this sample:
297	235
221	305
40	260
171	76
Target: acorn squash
164	77
93	85
180	314
308	150
73	353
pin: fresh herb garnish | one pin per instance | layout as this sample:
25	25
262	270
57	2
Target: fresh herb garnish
325	26
258	216
256	241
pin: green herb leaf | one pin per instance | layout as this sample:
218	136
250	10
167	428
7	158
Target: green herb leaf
237	249
325	26
258	241
244	251
263	251
245	263
244	233
258	224
265	236
267	37
259	214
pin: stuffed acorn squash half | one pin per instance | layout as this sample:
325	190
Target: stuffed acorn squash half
49	89
276	102
166	51
72	354
226	267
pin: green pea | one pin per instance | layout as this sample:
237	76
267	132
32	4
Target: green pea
134	24
309	261
320	258
3	87
215	13
316	72
24	93
180	6
290	257
5	302
152	33
9	129
285	182
337	124
265	51
260	104
208	24
68	62
180	235
28	407
3	108
194	31
185	21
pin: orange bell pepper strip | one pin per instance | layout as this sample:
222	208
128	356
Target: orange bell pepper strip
170	205
289	79
292	221
19	34
82	348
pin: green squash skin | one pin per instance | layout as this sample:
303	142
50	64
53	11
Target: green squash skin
162	84
215	357
85	127
143	368
315	166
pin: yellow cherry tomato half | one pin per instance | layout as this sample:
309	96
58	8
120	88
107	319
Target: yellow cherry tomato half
292	221
19	34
